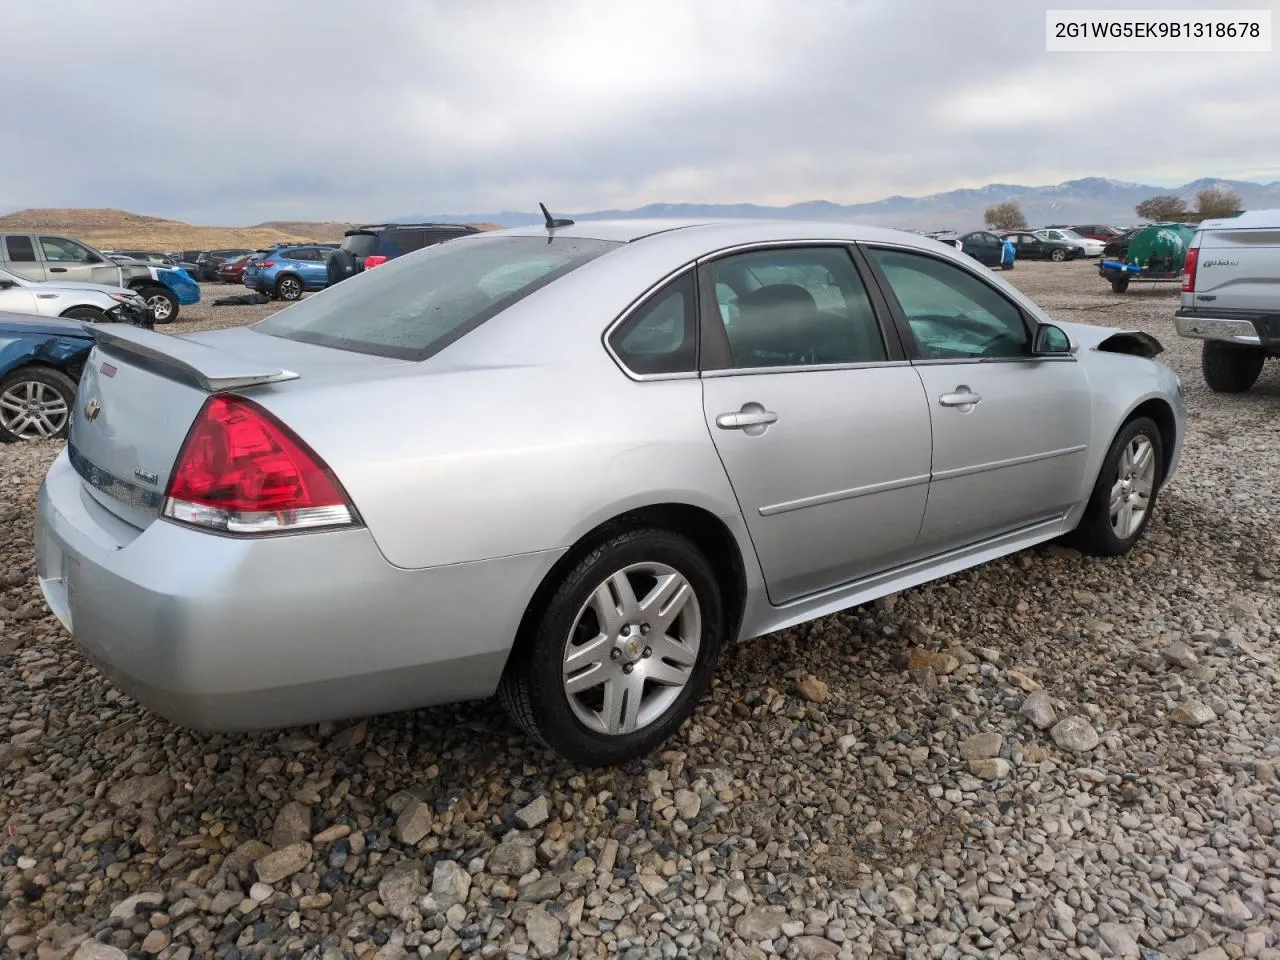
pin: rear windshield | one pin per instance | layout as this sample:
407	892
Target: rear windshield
414	306
359	244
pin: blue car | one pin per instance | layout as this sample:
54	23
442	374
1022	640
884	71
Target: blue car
289	271
41	359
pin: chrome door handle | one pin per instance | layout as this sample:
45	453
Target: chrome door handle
749	418
963	397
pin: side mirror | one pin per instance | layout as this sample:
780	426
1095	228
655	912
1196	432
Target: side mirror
1050	341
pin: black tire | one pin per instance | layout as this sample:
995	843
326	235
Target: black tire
1058	255
164	305
1230	368
85	314
289	287
1119	284
47	377
532	686
1095	535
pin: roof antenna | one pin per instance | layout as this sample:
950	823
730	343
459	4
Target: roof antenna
552	223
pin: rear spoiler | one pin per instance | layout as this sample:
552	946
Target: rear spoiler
182	359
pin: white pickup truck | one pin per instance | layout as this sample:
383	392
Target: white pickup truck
1231	297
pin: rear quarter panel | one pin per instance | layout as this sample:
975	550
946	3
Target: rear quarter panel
1237	270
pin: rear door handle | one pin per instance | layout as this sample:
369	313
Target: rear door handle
963	397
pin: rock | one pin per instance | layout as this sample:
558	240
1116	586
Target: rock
534	814
93	950
127	909
1075	733
1038	710
688	804
939	663
1179	654
544	931
245	855
450	884
1213	953
1119	939
982	746
155	941
293	825
351	737
993	768
760	923
401	887
413	824
811	688
653	884
1192	713
511	860
279	864
1234	911
260	892
903	899
815	948
138	791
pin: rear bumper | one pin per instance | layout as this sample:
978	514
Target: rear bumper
1244	330
224	633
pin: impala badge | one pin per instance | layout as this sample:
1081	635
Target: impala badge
92	409
146	476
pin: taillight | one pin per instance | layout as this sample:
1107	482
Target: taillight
267	263
373	261
240	470
1189	270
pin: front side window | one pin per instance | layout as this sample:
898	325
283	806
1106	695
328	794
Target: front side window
789	307
661	335
952	314
414	306
62	250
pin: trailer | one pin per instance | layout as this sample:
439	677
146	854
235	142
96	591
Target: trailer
1156	254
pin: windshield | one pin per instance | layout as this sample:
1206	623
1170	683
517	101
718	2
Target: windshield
1070	234
359	244
414	306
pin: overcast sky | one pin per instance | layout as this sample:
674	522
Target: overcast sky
248	110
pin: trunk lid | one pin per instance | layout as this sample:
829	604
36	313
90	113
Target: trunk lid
141	392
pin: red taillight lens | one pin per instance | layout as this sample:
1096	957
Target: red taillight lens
267	263
241	470
374	261
1189	270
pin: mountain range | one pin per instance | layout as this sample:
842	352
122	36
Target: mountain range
1087	200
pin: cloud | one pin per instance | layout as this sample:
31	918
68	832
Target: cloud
332	111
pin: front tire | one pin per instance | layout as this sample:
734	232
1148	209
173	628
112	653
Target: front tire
1125	493
1057	256
289	287
163	304
85	314
1229	368
35	404
617	658
1120	285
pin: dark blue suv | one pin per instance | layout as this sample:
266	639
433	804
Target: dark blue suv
379	242
287	272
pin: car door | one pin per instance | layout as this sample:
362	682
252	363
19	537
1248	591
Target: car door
21	257
14	297
313	269
821	424
1030	246
1010	430
65	259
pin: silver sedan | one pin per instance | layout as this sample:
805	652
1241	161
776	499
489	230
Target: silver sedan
567	464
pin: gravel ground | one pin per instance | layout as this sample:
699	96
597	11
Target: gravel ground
1050	756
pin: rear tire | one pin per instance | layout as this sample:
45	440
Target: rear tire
1129	480
289	287
1120	285
54	392
85	314
566	644
1229	368
163	304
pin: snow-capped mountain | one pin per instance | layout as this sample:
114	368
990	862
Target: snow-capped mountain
1087	200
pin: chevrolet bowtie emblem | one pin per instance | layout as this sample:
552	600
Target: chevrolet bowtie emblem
91	409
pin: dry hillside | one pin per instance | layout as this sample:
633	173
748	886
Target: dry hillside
107	229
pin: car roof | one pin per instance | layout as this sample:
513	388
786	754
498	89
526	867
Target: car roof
715	233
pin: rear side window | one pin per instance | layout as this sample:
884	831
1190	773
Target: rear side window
20	249
413	307
359	244
661	335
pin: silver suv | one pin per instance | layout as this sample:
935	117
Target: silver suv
1231	297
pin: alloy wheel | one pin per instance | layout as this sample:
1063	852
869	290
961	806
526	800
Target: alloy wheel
632	649
160	306
33	410
1134	484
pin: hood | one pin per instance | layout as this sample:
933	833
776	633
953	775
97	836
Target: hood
23	325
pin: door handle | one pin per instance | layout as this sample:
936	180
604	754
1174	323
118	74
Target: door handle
57	269
752	419
963	397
